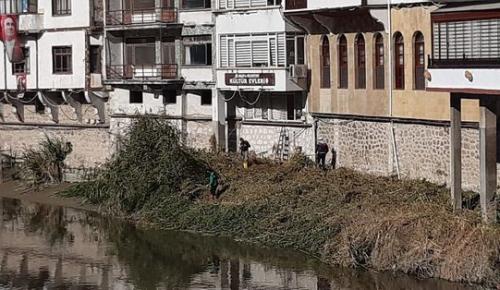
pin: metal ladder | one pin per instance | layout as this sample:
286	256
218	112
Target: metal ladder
283	149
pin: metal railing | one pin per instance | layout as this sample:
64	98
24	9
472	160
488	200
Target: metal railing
142	72
143	16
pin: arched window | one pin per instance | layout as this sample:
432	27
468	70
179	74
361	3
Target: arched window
343	63
325	63
379	72
399	61
359	46
419	60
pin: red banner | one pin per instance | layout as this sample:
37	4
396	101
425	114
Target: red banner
10	38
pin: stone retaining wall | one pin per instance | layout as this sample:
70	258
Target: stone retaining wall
263	138
423	151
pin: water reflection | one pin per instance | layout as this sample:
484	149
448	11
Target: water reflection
44	247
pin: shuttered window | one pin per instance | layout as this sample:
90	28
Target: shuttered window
260	55
243	53
260	50
471	39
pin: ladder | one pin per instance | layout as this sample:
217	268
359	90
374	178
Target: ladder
283	149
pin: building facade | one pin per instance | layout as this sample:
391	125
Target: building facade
159	62
369	92
262	77
51	80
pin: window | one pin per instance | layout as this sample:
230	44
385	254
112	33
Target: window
206	98
62	60
229	4
419	61
140	51
18	6
198	50
139	4
61	7
296	4
196	4
343	63
360	62
135	97
379	62
301	58
295	50
169	97
255	50
325	63
399	61
95	59
22	67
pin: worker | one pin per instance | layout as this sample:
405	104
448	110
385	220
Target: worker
244	146
213	184
334	158
321	151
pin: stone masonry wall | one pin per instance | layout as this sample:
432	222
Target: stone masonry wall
263	138
90	145
422	150
197	133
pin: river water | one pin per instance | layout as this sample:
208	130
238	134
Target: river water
48	247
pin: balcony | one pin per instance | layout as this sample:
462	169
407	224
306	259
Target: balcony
30	23
154	73
129	19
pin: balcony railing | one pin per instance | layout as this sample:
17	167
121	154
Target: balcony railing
296	4
144	16
142	72
464	63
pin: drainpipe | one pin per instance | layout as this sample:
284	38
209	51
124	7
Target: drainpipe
391	87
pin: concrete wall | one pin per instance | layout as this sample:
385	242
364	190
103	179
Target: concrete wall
422	150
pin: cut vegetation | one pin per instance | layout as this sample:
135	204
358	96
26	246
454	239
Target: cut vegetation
340	216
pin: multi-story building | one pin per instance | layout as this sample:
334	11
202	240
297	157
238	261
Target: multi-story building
159	62
261	76
50	80
465	62
368	86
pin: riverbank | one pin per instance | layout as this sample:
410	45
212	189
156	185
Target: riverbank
47	195
340	216
343	218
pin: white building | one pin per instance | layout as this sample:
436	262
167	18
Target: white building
159	61
262	77
62	43
55	89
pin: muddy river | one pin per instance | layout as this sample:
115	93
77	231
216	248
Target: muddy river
50	247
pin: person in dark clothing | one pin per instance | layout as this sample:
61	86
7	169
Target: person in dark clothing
244	146
321	151
334	158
